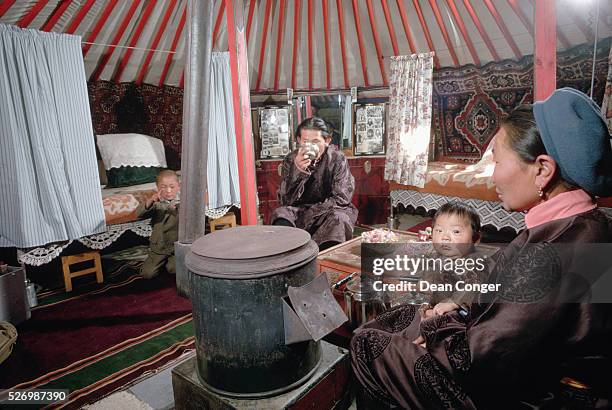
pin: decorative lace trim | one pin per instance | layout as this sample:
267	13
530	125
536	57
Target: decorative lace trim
45	254
491	213
219	212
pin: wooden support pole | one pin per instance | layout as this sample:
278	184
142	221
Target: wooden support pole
242	111
545	62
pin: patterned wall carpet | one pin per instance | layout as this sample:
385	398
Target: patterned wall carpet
468	102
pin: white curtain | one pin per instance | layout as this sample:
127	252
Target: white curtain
223	183
49	183
347	121
409	129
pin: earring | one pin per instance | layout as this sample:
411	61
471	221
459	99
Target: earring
540	193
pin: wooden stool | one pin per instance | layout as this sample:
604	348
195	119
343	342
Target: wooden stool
81	257
226	221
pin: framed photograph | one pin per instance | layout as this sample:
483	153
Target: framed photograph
275	125
369	129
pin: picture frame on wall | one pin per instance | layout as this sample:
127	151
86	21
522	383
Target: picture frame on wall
369	129
275	126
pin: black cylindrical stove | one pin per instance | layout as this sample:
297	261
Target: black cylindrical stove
238	278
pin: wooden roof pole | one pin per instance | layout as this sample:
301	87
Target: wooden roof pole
279	42
310	33
481	30
463	30
115	41
504	29
218	23
379	54
79	17
326	34
56	15
342	42
417	7
250	18
160	31
296	40
390	27
175	40
31	15
5	5
545	61
404	17
362	53
449	44
263	43
99	24
125	59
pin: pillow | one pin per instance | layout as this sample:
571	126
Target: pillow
128	176
131	150
131	159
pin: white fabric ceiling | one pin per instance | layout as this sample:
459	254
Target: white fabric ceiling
575	24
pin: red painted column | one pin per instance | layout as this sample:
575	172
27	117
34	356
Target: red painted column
242	111
545	65
308	107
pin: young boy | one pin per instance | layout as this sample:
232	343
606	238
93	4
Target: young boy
456	228
162	207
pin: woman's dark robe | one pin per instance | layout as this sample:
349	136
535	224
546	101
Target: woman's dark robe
319	202
510	350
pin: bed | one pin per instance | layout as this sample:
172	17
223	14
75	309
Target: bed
120	214
120	203
471	184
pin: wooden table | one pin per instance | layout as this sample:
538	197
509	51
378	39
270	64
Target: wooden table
339	262
344	259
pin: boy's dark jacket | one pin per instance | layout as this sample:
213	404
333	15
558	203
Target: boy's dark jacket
165	226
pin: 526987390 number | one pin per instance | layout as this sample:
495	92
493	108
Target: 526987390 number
35	396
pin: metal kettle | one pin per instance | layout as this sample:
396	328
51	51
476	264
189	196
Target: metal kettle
362	302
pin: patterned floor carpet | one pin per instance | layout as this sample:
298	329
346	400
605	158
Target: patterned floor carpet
100	338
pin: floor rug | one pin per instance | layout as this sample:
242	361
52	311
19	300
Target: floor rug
100	339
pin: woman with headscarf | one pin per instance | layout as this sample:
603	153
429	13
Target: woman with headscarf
538	335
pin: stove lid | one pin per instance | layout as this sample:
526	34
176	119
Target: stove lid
249	252
250	242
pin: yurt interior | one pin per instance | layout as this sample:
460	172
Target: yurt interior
333	204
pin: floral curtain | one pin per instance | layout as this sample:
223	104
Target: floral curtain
410	110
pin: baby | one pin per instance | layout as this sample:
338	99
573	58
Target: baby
162	207
456	228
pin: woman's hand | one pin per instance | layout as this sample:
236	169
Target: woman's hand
426	312
445	307
302	161
420	341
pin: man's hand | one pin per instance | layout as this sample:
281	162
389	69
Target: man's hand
154	198
302	161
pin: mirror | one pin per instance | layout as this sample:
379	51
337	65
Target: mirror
335	109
